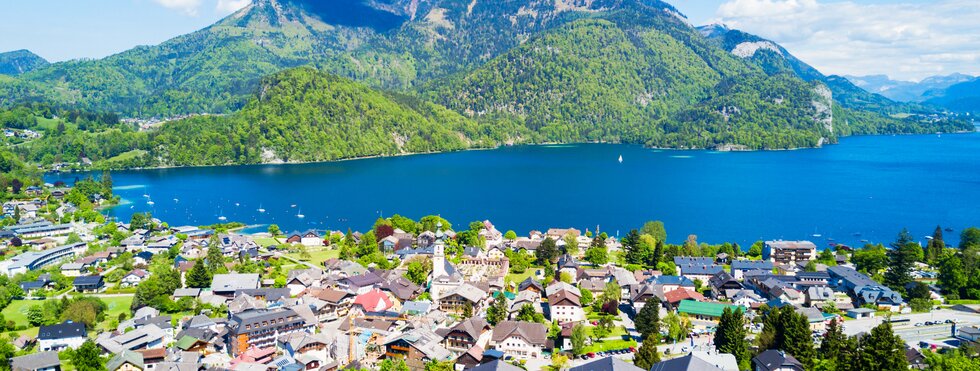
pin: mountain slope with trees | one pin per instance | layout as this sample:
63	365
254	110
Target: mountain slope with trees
20	61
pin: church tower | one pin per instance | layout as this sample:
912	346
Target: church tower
439	254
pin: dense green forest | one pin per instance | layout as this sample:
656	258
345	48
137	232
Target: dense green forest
442	75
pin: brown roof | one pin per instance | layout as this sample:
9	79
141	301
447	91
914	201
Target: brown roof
533	333
472	327
564	297
331	296
677	295
153	353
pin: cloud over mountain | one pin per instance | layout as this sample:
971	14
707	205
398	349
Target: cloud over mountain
906	40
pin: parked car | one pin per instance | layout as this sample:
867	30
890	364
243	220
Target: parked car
591	355
632	350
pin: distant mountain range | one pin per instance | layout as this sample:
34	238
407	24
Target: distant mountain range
631	71
20	61
908	91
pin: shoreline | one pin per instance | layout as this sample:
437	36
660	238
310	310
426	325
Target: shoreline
165	167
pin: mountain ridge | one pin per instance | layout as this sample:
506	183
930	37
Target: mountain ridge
18	62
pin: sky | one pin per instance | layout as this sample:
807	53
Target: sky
904	39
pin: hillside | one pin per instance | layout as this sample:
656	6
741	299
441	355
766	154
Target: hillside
962	97
907	91
20	61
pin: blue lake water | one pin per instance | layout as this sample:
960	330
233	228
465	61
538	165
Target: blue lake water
872	186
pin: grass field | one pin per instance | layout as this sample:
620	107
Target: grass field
17	310
317	255
603	346
126	156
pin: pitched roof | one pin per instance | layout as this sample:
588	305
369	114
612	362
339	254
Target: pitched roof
564	297
773	359
705	308
682	294
472	327
64	330
497	365
607	364
35	361
373	301
533	333
234	281
124	357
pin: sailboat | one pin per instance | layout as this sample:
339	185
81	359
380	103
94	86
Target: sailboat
261	210
221	217
300	214
620	158
149	201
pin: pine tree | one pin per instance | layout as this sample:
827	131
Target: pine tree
902	258
198	276
498	310
882	350
214	257
648	319
936	246
796	338
647	355
731	334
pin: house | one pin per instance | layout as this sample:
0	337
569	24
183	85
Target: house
520	300
227	284
133	278
373	301
401	288
775	360
519	339
788	252
465	335
89	284
705	310
565	306
361	283
496	365
473	357
739	267
861	313
671	283
673	298
971	334
721	282
606	364
126	360
261	328
819	296
304	343
455	299
863	289
698	361
72	269
42	361
532	285
337	303
417	347
495	253
61	336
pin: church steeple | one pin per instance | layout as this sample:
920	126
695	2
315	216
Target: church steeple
439	254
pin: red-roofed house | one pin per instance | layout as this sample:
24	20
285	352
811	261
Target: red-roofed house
373	301
676	296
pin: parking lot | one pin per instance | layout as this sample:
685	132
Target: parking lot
913	334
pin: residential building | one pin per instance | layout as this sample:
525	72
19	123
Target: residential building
417	347
704	310
776	360
32	260
519	339
465	335
227	284
565	306
89	284
698	361
739	267
61	336
261	328
606	364
41	361
788	252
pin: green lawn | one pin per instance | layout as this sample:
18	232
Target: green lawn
317	255
520	277
266	241
603	346
126	156
616	331
17	310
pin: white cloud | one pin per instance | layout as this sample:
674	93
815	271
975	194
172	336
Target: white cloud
188	7
229	6
905	40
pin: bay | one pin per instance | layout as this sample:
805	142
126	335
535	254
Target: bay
865	188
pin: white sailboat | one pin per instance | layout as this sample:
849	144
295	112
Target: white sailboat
300	214
620	158
220	216
261	210
149	201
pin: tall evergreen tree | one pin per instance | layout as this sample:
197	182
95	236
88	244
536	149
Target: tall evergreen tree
498	310
796	338
882	350
199	276
658	254
935	247
648	319
547	252
902	258
647	355
731	334
631	246
214	257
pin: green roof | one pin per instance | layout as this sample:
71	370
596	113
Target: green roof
127	356
186	342
704	308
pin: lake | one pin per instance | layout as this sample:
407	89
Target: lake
865	188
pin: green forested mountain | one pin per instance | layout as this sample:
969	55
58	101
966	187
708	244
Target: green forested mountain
20	61
448	74
962	97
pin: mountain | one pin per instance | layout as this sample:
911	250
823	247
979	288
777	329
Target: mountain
908	91
20	61
631	71
961	97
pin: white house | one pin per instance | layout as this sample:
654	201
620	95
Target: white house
61	336
519	339
133	278
565	307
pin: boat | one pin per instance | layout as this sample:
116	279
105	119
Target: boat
146	195
293	205
620	158
236	204
151	203
176	200
300	214
928	237
817	235
261	210
222	218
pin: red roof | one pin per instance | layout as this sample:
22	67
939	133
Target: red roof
677	295
373	301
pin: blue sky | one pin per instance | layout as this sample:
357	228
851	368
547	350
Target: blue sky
905	39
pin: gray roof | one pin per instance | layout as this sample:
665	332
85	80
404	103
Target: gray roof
685	363
497	365
35	361
607	364
234	281
773	359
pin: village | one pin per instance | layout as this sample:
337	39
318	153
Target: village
145	295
